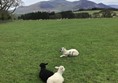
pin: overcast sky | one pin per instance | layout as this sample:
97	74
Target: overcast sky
107	2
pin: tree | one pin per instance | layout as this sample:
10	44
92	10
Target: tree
67	14
83	15
96	15
5	5
107	13
4	15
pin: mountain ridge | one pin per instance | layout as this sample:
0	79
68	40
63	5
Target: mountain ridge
59	5
114	6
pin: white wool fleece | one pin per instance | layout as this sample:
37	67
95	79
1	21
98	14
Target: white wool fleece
57	77
70	52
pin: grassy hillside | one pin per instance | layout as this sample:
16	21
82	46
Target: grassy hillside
25	44
94	11
88	11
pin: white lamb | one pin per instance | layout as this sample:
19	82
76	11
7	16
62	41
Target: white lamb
57	77
70	52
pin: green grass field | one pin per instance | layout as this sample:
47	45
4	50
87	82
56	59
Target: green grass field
25	44
89	11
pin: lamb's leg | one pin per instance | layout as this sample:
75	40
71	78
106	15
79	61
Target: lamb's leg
62	55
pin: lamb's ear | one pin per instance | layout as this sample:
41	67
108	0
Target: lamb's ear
62	48
46	63
56	67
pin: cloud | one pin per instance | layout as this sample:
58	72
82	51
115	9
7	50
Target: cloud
29	2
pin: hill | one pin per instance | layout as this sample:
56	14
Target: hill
114	6
59	5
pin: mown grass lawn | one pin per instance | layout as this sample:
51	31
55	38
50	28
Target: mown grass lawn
25	44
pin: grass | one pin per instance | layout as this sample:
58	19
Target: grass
89	11
25	44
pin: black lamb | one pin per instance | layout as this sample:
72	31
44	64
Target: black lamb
44	74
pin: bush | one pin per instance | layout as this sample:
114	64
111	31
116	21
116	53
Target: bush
55	16
83	15
107	13
67	14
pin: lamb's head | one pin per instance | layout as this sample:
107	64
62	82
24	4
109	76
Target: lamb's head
63	50
43	65
61	69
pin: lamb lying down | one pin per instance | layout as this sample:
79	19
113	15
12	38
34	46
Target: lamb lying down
57	77
44	73
70	52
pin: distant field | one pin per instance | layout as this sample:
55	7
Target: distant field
116	12
89	11
25	44
93	11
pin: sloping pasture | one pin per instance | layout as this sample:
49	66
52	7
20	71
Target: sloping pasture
25	44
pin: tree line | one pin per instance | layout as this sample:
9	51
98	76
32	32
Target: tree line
106	13
6	13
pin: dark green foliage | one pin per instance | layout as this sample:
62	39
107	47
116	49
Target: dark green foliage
4	15
107	13
67	14
52	15
36	15
55	16
113	9
83	15
5	6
